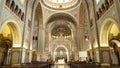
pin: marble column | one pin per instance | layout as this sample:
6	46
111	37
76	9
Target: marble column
81	37
41	41
16	55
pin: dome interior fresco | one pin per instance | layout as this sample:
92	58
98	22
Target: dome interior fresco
60	4
60	33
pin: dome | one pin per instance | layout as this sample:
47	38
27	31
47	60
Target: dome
60	4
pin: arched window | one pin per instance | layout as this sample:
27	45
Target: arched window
111	2
7	3
100	12
22	17
16	9
106	4
12	5
20	13
97	14
103	7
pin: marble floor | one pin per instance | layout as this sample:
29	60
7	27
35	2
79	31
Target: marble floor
60	64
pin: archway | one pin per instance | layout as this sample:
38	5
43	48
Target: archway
62	16
60	42
84	24
109	32
60	27
37	33
114	48
10	36
61	53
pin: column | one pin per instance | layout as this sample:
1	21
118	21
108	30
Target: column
16	55
41	42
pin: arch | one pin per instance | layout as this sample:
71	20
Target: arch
62	46
19	12
60	41
50	24
34	7
12	5
62	28
16	9
116	42
105	31
114	45
7	3
11	38
53	24
37	21
64	6
63	16
5	45
17	37
22	16
83	11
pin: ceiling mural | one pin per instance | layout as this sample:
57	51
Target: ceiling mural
60	4
61	30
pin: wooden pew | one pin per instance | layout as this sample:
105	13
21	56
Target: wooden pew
36	64
83	65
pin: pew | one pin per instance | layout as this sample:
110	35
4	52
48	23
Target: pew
83	65
36	64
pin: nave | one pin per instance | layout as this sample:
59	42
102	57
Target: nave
60	64
59	34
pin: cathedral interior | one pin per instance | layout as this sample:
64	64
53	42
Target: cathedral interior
47	33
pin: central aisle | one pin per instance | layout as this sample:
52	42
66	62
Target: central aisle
60	64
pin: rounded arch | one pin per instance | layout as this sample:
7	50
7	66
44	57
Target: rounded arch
65	23
34	8
117	42
114	45
37	21
105	31
83	12
37	11
58	29
14	27
57	6
60	41
64	47
63	16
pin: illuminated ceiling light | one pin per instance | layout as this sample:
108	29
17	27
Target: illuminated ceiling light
97	1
